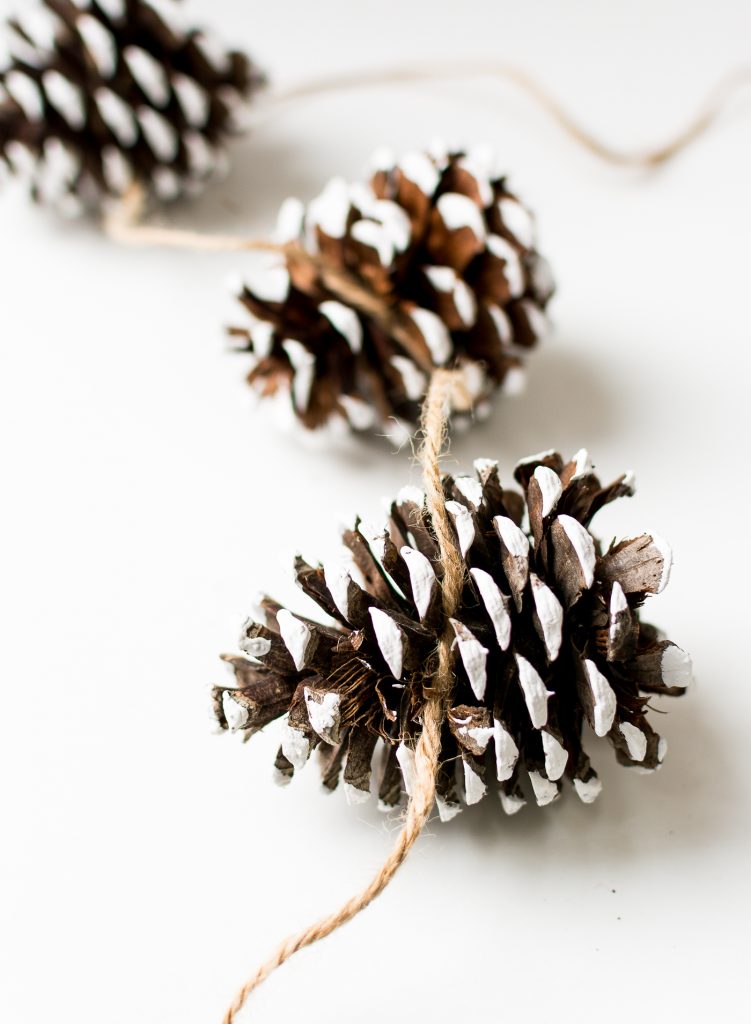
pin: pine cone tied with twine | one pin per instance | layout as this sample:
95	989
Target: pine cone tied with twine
96	95
446	251
548	637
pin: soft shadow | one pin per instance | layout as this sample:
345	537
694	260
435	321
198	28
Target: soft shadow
569	403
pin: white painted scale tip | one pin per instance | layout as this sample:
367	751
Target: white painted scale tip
296	636
422	578
474	788
636	741
556	756
511	804
324	714
235	714
677	667
536	696
539	457
406	758
295	746
446	811
583	545
588	791
390	639
550	488
354	795
545	791
463	523
604	699
667	560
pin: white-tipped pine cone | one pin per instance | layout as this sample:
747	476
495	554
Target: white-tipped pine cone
96	95
448	249
549	645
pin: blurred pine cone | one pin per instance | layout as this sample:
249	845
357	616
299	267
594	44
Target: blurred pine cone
448	249
548	637
98	94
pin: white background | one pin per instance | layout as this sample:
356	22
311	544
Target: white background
146	865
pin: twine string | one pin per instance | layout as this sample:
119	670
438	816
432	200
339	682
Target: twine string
707	114
427	751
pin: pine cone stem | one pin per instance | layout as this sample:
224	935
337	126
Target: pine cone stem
427	752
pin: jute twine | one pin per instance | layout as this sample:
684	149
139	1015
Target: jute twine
443	384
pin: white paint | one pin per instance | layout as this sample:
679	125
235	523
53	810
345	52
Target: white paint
338	580
114	9
410	495
212	49
506	751
406	758
518	220
65	97
201	157
474	788
636	741
100	44
345	321
166	183
514	539
27	94
495	606
471	489
289	221
511	803
355	796
550	614
465	527
324	714
117	170
295	746
382	159
149	74
502	324
56	171
268	280
676	667
296	635
159	134
419	168
376	237
545	791
556	756
539	457
588	791
513	270
478	161
474	657
194	101
446	280
618	605
537	320
303	363
605	700
583	545
542	277
662	749
459	211
117	115
394	220
254	646
414	380
474	380
515	382
390	639
667	560
435	334
550	485
360	415
21	158
582	464
235	713
422	578
40	25
479	736
447	811
330	210
536	696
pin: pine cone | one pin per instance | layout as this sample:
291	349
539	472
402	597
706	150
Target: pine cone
450	253
98	94
548	637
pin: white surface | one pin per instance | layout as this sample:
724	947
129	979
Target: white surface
147	865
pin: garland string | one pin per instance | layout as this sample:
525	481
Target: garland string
434	419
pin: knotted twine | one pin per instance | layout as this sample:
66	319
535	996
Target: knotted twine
446	387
